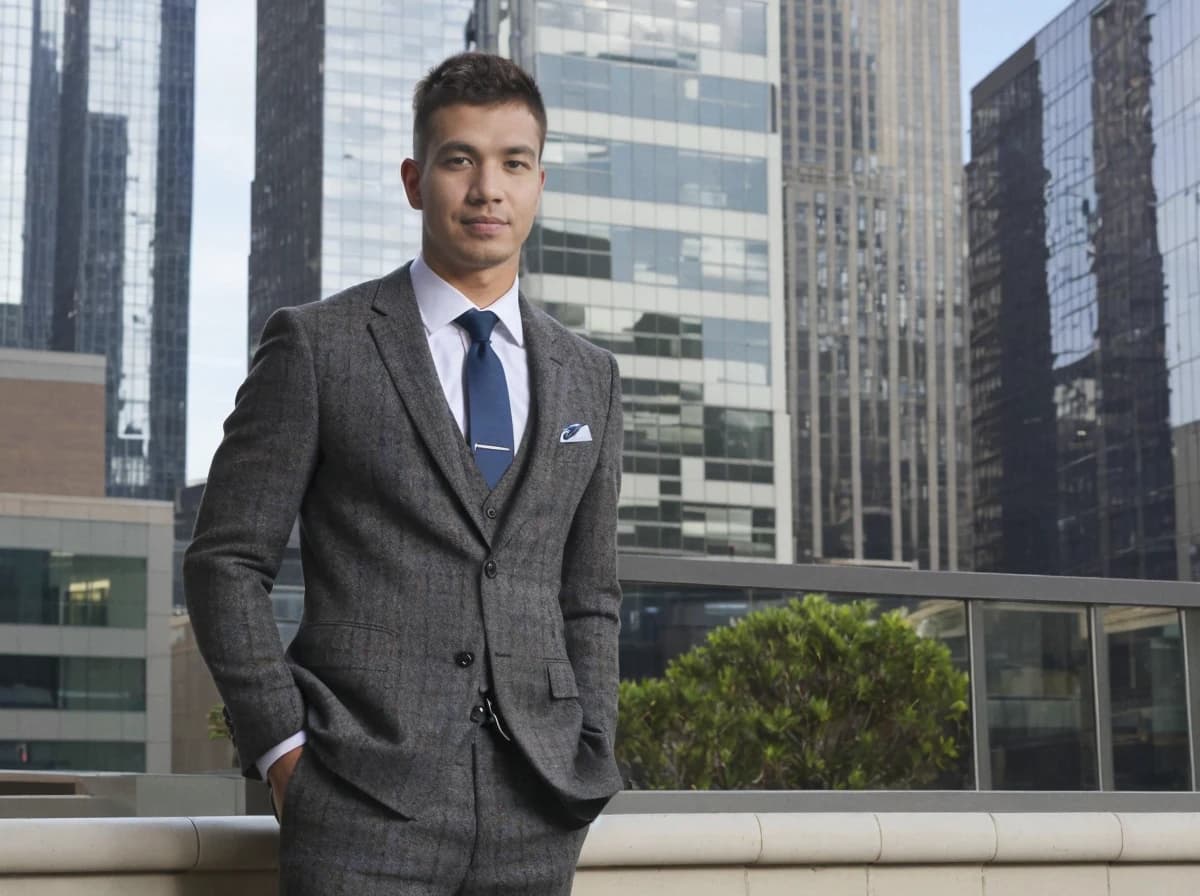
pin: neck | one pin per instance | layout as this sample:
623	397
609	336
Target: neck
484	286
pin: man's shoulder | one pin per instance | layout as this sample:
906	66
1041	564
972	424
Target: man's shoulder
351	300
344	305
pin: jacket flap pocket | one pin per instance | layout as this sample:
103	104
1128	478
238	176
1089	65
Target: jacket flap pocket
343	645
562	680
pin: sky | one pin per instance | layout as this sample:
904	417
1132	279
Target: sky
224	166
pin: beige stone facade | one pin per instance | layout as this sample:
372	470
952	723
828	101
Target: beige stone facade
52	439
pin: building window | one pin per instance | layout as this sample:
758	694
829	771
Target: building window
61	588
110	684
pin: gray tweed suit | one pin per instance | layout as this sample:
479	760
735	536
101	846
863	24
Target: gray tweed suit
410	563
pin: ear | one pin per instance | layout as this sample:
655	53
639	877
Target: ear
410	173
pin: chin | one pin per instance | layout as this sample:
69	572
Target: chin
482	260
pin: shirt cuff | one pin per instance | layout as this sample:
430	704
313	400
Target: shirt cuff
268	758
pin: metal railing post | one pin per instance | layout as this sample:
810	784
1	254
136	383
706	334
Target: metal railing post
981	741
1102	699
1190	620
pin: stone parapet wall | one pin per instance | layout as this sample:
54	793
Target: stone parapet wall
718	854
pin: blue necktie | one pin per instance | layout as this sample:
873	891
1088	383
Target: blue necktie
489	418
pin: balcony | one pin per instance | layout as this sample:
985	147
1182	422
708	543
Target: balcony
1079	777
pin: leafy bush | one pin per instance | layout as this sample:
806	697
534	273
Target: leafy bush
217	729
810	695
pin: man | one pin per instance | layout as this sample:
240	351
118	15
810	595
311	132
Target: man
443	721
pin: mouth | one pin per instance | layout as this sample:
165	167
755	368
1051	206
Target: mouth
484	225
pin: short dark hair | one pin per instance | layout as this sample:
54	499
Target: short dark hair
476	79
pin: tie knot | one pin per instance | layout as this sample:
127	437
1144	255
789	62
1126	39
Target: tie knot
478	324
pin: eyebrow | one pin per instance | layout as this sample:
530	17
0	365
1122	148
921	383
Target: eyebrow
468	149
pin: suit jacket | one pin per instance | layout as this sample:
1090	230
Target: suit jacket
410	561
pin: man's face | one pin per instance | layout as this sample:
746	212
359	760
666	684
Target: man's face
478	186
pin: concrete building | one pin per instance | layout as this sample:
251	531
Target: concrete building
85	583
193	696
877	305
1085	292
660	239
96	107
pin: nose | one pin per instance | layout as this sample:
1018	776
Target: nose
485	186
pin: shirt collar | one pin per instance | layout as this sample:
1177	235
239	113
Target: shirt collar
441	304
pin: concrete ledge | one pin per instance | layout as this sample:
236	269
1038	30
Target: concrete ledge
833	838
1170	837
1023	838
639	840
82	845
57	846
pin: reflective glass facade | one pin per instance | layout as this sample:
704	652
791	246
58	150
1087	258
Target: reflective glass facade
659	240
333	124
1084	198
110	684
644	255
72	755
877	334
60	588
96	103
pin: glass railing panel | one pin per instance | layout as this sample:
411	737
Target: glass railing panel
1040	702
1149	698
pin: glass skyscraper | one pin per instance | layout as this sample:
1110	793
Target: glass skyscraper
96	107
333	125
660	239
1084	196
876	298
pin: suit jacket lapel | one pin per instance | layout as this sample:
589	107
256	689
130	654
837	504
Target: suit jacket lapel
547	385
399	335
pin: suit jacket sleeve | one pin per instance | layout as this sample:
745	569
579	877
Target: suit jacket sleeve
591	593
255	487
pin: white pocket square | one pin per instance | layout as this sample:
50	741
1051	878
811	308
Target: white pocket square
576	432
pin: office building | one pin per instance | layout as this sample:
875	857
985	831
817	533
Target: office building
96	102
877	308
1084	197
85	583
333	123
660	239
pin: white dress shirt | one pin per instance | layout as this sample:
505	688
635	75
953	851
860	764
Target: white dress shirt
440	304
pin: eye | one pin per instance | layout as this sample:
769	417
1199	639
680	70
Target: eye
516	164
457	162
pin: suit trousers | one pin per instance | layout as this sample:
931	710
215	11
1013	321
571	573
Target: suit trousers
498	830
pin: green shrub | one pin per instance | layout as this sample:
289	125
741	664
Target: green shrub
217	729
810	695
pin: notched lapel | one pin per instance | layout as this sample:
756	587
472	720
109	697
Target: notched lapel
399	336
547	386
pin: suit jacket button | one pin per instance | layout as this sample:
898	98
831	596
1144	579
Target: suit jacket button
490	512
490	569
464	659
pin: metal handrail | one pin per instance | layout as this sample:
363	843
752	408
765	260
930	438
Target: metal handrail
879	581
